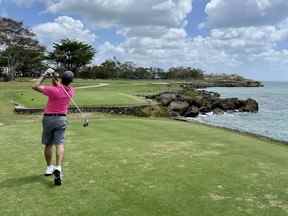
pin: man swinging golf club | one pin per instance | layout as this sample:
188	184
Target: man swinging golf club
54	120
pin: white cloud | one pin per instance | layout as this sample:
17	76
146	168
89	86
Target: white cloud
29	3
127	13
237	13
153	32
63	27
224	50
164	6
25	3
244	36
279	57
171	49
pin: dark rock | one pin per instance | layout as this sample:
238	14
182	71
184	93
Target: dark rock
205	109
209	94
228	104
166	98
174	114
218	111
251	83
249	105
180	97
178	106
192	111
222	82
216	103
207	102
193	101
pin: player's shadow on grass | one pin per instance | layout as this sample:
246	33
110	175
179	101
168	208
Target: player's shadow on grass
26	180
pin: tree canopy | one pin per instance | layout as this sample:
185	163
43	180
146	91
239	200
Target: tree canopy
71	54
20	52
114	69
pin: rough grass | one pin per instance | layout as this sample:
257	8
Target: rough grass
133	166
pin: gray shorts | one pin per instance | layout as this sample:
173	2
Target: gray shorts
54	130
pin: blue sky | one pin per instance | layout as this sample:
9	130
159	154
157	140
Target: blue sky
248	37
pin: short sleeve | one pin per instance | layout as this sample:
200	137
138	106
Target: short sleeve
49	91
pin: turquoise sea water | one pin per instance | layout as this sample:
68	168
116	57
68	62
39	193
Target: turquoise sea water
272	119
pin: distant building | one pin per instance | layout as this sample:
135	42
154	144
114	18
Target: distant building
156	73
156	76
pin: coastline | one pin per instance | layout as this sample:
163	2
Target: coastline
250	134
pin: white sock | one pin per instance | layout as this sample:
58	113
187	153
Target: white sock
58	168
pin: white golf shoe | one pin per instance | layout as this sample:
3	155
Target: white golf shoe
49	170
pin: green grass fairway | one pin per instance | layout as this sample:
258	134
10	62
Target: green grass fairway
128	166
116	92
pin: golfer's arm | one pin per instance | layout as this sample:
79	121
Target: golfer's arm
38	83
55	82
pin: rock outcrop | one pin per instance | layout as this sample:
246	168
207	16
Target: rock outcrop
193	103
200	84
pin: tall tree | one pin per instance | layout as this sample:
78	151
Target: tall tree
20	49
185	73
72	55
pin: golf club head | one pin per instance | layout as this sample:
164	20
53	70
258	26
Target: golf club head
86	123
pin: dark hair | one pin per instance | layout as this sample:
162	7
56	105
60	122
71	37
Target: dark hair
67	78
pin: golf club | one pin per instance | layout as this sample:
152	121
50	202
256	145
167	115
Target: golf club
84	118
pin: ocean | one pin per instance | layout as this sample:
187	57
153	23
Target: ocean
270	121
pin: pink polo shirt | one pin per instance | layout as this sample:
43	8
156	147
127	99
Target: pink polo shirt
58	101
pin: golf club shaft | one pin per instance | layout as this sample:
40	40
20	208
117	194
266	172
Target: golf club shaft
74	103
85	120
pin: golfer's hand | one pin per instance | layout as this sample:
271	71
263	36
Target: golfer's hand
48	72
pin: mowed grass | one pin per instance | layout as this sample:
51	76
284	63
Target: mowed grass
114	93
130	166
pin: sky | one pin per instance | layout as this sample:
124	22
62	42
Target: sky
247	37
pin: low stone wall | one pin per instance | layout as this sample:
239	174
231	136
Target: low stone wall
136	110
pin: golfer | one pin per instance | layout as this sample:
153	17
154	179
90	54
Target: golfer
54	120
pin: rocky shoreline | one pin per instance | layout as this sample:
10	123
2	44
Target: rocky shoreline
192	103
210	83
